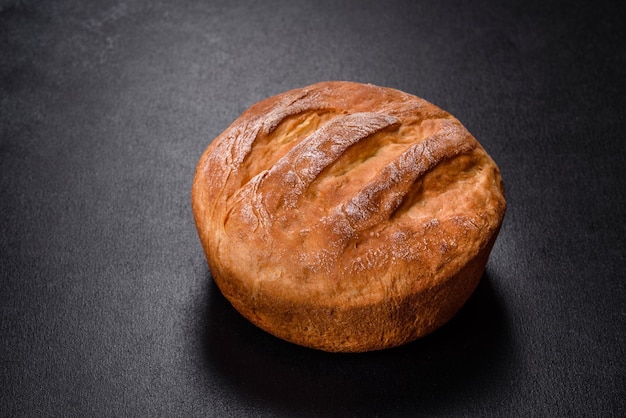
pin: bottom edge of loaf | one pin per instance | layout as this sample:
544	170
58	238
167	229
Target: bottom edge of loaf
377	326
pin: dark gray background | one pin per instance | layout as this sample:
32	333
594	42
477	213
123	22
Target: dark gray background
107	307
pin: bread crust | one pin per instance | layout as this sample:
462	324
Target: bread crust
347	217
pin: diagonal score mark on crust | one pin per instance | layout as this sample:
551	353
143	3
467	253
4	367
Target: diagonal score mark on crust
242	138
378	199
307	101
291	175
234	146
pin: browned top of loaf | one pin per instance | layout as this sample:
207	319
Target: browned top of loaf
344	193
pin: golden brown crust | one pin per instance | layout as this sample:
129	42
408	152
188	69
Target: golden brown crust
347	217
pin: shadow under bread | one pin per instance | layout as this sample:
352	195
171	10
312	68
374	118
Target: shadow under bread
462	358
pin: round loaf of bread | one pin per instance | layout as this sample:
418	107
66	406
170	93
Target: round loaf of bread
347	217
